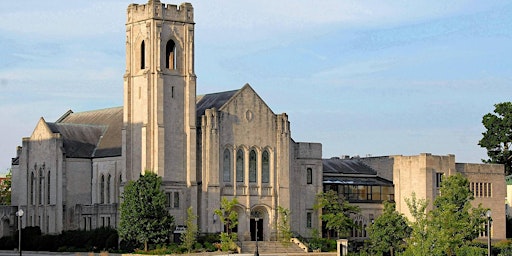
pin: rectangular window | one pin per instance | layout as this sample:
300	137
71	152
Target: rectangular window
309	176
168	199
481	189
176	203
439	179
84	223
309	218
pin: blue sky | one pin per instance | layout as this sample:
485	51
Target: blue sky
360	77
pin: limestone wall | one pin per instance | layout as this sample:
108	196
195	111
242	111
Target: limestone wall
487	181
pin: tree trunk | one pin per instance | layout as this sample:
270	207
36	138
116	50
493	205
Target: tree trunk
145	246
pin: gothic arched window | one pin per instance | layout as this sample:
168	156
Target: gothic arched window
240	166
32	182
102	190
48	188
108	189
170	55
142	55
252	166
226	171
265	167
40	198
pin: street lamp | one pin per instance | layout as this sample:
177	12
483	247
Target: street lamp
256	219
489	220
19	213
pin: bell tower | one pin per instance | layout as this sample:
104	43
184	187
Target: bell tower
159	121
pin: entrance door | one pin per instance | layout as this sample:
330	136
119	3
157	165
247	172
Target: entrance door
257	225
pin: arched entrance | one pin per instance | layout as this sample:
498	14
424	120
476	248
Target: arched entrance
258	219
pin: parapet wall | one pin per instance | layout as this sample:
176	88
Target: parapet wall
155	9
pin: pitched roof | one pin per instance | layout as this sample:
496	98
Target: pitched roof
346	166
212	100
94	133
351	172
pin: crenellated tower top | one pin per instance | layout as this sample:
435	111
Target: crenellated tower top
154	9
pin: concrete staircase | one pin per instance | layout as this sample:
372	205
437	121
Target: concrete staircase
268	247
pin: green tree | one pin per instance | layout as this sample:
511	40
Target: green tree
229	218
416	243
336	212
389	231
283	225
451	225
189	237
498	137
144	217
453	218
5	189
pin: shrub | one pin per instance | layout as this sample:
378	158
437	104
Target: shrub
470	251
209	247
8	243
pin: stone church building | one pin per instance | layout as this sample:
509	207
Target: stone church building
69	173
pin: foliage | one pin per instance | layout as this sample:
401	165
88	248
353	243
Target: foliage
336	212
5	189
229	217
283	225
227	241
144	217
450	226
189	237
470	251
453	218
389	231
497	138
315	242
73	240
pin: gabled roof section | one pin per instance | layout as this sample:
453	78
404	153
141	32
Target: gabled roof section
212	100
97	132
220	99
79	140
247	87
346	166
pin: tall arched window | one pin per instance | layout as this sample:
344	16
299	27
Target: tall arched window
142	55
48	188
252	166
265	167
240	166
40	197
108	189
102	190
226	171
32	183
170	55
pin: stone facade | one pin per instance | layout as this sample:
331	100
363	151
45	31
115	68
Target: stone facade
422	175
227	144
69	174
